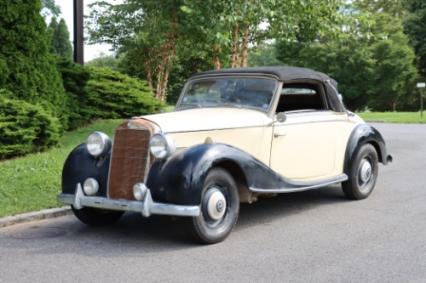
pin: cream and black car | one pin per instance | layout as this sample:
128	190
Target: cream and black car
235	135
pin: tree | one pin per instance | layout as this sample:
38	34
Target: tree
415	27
264	54
233	26
370	58
60	41
147	31
53	25
27	69
49	8
150	33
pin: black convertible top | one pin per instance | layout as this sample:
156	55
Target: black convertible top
287	74
284	73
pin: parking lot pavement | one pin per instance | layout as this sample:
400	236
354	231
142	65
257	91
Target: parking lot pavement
315	236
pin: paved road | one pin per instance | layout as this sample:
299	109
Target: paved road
315	236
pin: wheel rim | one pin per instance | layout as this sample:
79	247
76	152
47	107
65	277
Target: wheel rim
215	205
365	174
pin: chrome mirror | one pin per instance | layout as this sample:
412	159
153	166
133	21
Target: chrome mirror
281	117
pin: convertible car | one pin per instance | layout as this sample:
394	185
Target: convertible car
235	135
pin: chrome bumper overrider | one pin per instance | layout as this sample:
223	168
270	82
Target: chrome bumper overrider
145	207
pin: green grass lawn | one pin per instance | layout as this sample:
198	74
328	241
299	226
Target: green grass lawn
32	182
393	117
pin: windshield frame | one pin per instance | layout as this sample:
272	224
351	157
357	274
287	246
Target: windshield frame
268	111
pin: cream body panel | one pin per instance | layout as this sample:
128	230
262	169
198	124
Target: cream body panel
245	129
204	119
254	140
311	145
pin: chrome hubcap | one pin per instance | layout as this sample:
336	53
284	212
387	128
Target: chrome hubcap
366	171
216	204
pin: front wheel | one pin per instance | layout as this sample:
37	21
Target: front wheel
363	173
220	206
97	217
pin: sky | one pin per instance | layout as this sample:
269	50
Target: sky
90	51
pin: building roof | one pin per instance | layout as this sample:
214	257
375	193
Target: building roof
284	73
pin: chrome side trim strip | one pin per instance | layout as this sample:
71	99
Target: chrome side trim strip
215	129
147	207
299	186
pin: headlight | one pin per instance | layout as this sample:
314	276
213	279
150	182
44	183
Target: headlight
98	143
161	146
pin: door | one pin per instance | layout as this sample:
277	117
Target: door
311	142
306	145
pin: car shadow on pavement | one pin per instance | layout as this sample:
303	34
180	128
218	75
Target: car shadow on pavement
267	209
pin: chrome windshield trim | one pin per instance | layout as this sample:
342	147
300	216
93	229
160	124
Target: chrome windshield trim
236	75
147	207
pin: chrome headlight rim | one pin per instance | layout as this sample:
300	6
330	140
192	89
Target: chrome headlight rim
161	146
98	144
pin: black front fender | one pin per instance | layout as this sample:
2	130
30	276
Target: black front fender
180	179
80	165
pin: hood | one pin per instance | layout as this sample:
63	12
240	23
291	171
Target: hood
203	119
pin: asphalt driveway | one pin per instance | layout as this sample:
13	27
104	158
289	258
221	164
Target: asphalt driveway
315	236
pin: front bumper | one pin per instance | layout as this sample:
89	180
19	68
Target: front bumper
145	207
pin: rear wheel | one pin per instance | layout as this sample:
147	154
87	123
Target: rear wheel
97	217
363	173
220	206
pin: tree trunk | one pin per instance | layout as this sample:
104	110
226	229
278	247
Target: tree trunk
235	46
244	47
216	58
148	72
160	75
165	82
167	54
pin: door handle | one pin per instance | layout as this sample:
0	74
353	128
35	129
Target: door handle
277	135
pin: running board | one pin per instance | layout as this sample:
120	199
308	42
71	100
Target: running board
299	186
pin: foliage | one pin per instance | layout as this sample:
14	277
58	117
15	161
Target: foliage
370	58
105	61
111	94
151	34
263	54
415	27
148	30
32	182
75	78
27	68
59	38
25	127
103	93
49	7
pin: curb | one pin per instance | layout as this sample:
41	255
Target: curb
32	216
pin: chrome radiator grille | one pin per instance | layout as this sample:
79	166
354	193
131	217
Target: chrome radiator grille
129	161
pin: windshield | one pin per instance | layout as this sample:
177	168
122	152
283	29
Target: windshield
224	92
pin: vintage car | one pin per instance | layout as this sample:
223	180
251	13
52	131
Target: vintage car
235	135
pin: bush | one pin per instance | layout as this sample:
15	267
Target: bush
114	95
103	93
25	127
75	78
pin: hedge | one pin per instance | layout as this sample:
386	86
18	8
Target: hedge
101	93
25	127
114	95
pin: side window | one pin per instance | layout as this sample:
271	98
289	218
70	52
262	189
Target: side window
296	97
